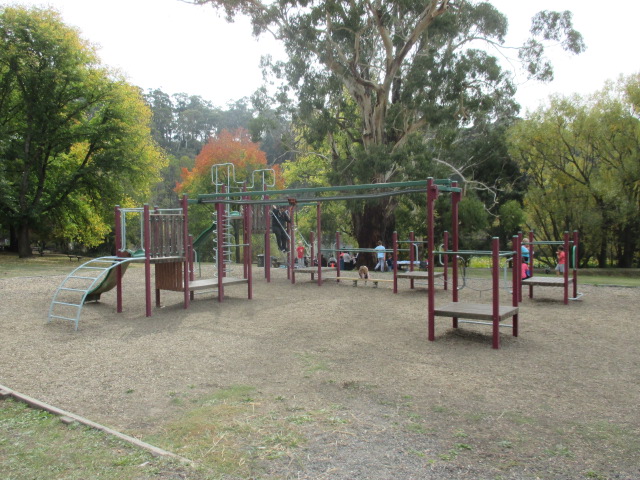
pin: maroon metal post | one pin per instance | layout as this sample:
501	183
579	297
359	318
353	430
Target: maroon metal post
319	228
516	275
395	262
338	256
248	254
192	275
432	193
575	263
187	251
118	217
495	278
412	255
245	228
567	254
519	259
292	244
446	260
455	200
147	259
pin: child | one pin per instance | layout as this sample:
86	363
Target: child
562	260
363	271
300	255
524	269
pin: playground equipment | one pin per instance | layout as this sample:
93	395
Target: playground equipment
293	198
166	244
565	280
476	313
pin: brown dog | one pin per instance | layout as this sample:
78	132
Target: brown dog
363	271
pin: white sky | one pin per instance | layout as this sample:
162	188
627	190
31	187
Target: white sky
182	48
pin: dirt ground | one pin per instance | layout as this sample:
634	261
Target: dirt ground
560	401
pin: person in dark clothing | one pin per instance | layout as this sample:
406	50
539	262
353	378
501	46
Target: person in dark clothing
279	222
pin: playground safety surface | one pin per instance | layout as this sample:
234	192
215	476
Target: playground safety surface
559	401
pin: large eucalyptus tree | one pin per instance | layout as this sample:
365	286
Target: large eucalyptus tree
378	81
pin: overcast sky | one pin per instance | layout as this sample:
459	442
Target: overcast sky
182	48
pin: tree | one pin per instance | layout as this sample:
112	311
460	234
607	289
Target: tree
235	148
581	158
74	140
378	81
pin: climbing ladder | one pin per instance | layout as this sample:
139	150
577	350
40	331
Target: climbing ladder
72	293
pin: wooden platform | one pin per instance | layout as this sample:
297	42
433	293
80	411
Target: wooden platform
419	275
212	283
546	281
477	311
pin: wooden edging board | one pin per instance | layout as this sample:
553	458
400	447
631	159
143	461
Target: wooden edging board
65	416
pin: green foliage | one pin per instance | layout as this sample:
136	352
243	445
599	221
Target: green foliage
512	220
74	139
382	88
581	160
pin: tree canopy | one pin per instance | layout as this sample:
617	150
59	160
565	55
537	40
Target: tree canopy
581	157
74	138
383	84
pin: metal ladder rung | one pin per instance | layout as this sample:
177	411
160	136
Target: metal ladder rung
63	318
68	304
96	268
73	289
84	278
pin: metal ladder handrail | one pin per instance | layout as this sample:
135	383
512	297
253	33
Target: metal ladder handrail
113	263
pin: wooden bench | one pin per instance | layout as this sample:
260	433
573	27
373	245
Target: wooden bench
475	311
419	275
71	257
546	281
212	283
355	280
314	271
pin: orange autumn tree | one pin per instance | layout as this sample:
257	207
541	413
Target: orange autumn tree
227	147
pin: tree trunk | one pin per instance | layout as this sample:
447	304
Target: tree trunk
24	242
375	221
627	247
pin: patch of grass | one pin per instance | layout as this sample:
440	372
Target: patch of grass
439	409
417	428
230	432
35	444
594	475
559	451
312	364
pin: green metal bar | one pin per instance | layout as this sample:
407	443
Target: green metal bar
307	201
545	242
474	252
443	185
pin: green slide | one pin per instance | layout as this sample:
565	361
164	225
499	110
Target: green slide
110	280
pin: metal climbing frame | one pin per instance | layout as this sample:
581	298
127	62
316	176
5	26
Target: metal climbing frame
72	293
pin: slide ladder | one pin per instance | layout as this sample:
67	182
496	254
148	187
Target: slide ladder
70	296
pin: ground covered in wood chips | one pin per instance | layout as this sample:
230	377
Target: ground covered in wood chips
340	382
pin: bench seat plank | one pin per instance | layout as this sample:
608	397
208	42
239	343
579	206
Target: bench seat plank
546	281
420	275
208	283
477	311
